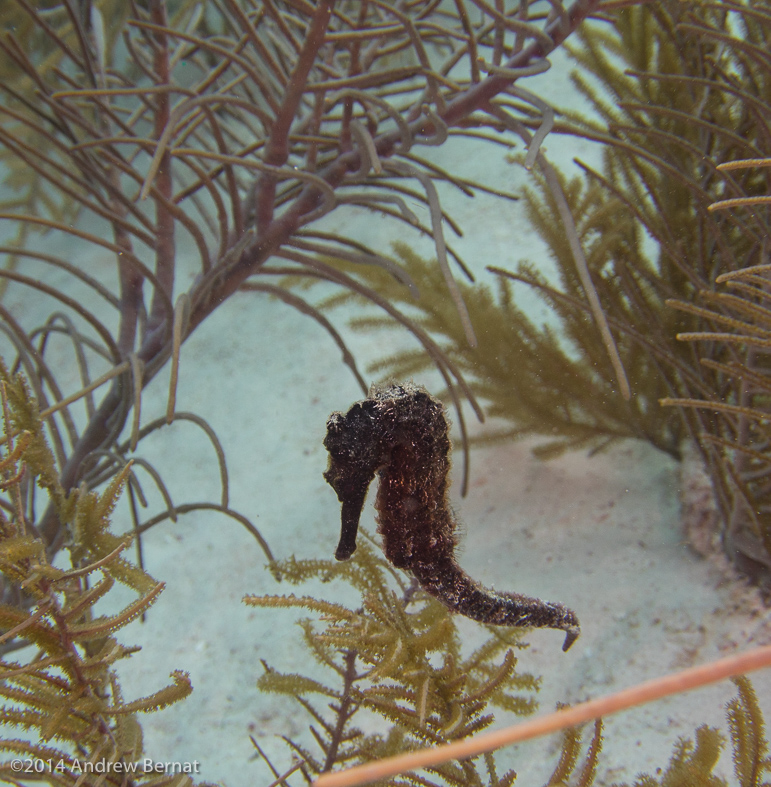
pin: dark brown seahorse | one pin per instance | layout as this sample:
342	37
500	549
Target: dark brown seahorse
400	434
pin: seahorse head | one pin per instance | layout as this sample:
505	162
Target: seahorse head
355	454
360	443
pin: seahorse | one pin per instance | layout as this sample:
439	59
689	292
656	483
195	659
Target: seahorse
400	434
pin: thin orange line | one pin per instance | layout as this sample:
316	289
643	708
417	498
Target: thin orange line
567	717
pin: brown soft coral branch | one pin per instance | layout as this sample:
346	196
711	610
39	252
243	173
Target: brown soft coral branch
277	149
272	234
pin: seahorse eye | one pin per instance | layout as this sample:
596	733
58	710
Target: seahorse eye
352	436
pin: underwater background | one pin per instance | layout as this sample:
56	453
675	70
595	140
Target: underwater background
608	529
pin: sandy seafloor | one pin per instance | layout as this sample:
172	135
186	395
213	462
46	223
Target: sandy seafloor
600	534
